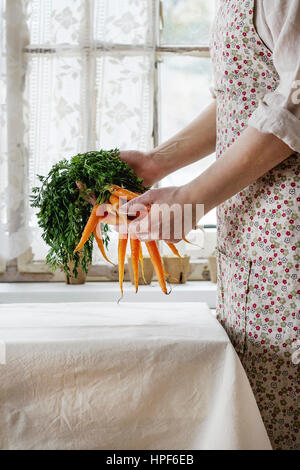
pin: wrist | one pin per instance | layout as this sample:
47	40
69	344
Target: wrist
156	166
192	193
187	194
162	162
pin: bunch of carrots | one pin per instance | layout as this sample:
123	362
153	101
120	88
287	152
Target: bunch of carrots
110	215
62	201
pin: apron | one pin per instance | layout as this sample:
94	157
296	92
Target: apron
258	233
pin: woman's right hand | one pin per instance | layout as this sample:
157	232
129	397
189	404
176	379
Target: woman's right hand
143	164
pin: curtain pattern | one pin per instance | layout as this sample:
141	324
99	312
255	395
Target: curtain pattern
74	76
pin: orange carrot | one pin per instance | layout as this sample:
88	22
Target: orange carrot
115	204
122	192
115	201
170	277
88	229
112	219
106	208
187	241
174	249
142	264
101	246
157	263
190	243
121	258
135	246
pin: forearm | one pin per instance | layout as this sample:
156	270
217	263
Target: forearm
250	157
194	142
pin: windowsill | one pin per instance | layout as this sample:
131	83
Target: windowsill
48	292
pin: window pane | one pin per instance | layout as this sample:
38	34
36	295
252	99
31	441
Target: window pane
124	101
124	22
52	22
78	22
55	131
187	21
185	92
53	107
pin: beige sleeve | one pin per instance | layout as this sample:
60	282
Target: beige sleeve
278	113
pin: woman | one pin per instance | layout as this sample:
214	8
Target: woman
254	125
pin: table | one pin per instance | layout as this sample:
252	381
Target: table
138	376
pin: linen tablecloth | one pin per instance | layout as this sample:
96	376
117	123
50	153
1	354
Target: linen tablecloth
127	376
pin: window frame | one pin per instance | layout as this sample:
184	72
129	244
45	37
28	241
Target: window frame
25	268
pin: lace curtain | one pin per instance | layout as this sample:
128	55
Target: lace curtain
74	76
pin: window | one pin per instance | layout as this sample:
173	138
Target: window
185	76
92	74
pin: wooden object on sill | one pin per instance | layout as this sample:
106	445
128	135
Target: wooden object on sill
81	276
148	271
177	269
212	264
199	270
80	279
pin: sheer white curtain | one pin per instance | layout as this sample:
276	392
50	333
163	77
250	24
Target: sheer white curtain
74	76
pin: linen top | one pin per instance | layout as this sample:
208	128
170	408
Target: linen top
278	24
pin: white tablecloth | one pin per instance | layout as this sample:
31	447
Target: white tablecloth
127	376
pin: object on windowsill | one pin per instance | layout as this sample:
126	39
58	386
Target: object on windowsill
212	264
76	275
80	279
145	271
177	269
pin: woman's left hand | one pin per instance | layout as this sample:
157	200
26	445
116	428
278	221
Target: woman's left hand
161	214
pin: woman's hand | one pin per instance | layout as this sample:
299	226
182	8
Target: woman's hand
143	164
162	214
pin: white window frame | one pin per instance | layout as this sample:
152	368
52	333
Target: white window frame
25	268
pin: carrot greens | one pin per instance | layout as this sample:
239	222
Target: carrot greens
63	211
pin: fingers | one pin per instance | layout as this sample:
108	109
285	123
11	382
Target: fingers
103	210
92	199
150	217
146	229
79	185
136	206
140	228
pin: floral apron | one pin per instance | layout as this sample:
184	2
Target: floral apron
258	233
